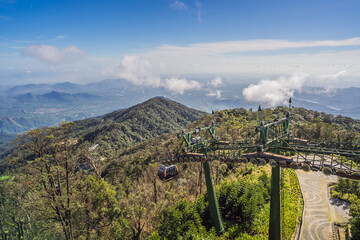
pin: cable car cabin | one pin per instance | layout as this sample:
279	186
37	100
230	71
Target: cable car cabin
168	173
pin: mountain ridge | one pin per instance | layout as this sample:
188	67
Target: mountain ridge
143	121
56	97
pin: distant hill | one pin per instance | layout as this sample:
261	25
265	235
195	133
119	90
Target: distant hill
22	112
101	86
341	101
43	88
34	88
55	97
146	120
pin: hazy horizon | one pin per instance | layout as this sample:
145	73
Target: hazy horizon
271	49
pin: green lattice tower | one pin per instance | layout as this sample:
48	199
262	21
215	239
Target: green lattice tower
213	202
275	210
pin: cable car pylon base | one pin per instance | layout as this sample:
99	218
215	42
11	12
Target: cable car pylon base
275	216
213	203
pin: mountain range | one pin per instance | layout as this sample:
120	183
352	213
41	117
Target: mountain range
36	105
123	128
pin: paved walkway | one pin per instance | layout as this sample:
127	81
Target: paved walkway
320	212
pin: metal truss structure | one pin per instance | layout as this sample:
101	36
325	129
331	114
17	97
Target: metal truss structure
273	138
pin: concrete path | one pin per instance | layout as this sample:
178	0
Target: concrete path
320	211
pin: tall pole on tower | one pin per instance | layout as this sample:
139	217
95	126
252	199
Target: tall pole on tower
259	111
290	101
275	205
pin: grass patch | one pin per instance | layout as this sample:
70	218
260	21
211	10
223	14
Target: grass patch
292	203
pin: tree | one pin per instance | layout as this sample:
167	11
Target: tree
341	186
140	203
181	221
52	168
103	214
240	201
355	219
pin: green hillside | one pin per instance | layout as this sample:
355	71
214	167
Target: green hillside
54	187
5	143
120	129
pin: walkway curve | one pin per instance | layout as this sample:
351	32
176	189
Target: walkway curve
319	211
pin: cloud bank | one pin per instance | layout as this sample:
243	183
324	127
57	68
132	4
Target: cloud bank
139	72
275	92
259	57
180	85
327	61
53	54
257	45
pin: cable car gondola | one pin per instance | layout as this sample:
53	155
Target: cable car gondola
167	173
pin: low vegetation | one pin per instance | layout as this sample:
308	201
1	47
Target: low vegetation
292	203
349	191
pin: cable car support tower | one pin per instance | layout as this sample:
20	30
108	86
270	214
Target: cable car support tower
342	159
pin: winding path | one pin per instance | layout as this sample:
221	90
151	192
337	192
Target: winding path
320	211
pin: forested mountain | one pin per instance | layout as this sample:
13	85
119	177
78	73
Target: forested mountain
57	98
124	128
44	88
55	187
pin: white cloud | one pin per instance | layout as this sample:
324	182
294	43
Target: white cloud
323	91
180	85
333	76
329	80
215	82
257	45
275	92
215	93
179	5
230	57
139	72
54	54
238	61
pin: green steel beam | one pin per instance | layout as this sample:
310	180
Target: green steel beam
326	151
213	203
275	219
211	130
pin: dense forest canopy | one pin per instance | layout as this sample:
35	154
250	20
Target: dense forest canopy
55	186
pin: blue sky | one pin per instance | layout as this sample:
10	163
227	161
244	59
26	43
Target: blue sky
143	41
101	26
